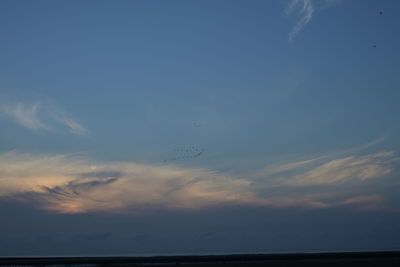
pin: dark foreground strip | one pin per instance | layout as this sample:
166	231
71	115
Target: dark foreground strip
385	255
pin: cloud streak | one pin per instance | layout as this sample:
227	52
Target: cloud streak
347	169
304	10
25	115
41	117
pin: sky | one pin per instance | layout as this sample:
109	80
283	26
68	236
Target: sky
198	127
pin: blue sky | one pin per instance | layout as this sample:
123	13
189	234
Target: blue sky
140	111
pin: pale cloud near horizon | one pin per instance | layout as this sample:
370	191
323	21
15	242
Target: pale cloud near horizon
74	184
347	169
69	185
283	169
304	10
41	117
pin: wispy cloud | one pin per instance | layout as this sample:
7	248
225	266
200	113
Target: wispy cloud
279	168
41	117
71	184
304	10
63	118
25	115
346	169
292	167
342	178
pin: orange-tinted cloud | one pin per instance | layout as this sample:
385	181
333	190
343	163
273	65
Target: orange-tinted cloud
73	184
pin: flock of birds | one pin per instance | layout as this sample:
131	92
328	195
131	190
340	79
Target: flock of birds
186	153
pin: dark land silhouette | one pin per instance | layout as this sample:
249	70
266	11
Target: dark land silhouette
343	259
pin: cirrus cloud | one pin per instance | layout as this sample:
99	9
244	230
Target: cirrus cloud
346	169
40	117
304	9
